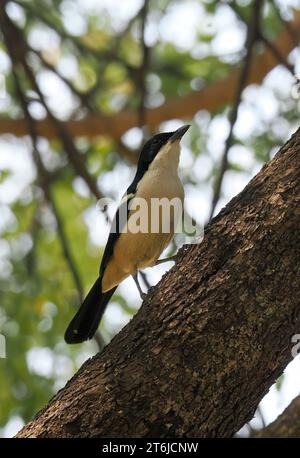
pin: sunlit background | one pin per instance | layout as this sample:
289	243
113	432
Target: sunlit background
192	44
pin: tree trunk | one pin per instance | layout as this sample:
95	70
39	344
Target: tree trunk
286	425
211	339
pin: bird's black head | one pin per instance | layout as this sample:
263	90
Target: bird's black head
154	145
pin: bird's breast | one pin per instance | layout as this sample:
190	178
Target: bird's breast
160	184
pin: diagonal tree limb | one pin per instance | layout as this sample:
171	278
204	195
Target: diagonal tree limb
108	55
209	98
17	45
281	59
211	338
82	96
45	181
45	185
18	53
287	425
73	154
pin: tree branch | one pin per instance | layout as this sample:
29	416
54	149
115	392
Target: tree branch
45	181
45	178
82	96
209	98
211	338
18	50
281	59
286	425
108	55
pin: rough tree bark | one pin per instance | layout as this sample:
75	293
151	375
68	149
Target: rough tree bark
287	425
211	339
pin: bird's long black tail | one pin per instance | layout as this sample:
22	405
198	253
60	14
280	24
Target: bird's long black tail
86	321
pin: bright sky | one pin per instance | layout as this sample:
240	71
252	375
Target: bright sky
258	109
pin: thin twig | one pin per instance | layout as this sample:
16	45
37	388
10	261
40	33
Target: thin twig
64	242
145	279
20	50
68	143
44	181
83	97
107	55
281	59
99	340
261	416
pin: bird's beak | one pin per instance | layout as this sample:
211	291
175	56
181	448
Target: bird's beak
179	133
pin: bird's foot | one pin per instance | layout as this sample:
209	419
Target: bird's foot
141	292
161	261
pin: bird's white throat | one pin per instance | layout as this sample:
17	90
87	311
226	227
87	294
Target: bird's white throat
167	158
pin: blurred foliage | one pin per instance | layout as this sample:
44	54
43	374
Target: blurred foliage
37	291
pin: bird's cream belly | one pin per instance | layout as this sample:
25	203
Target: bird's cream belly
133	252
137	250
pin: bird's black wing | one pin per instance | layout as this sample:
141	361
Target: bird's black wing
86	321
123	209
116	227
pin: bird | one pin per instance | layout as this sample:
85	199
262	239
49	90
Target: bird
126	251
